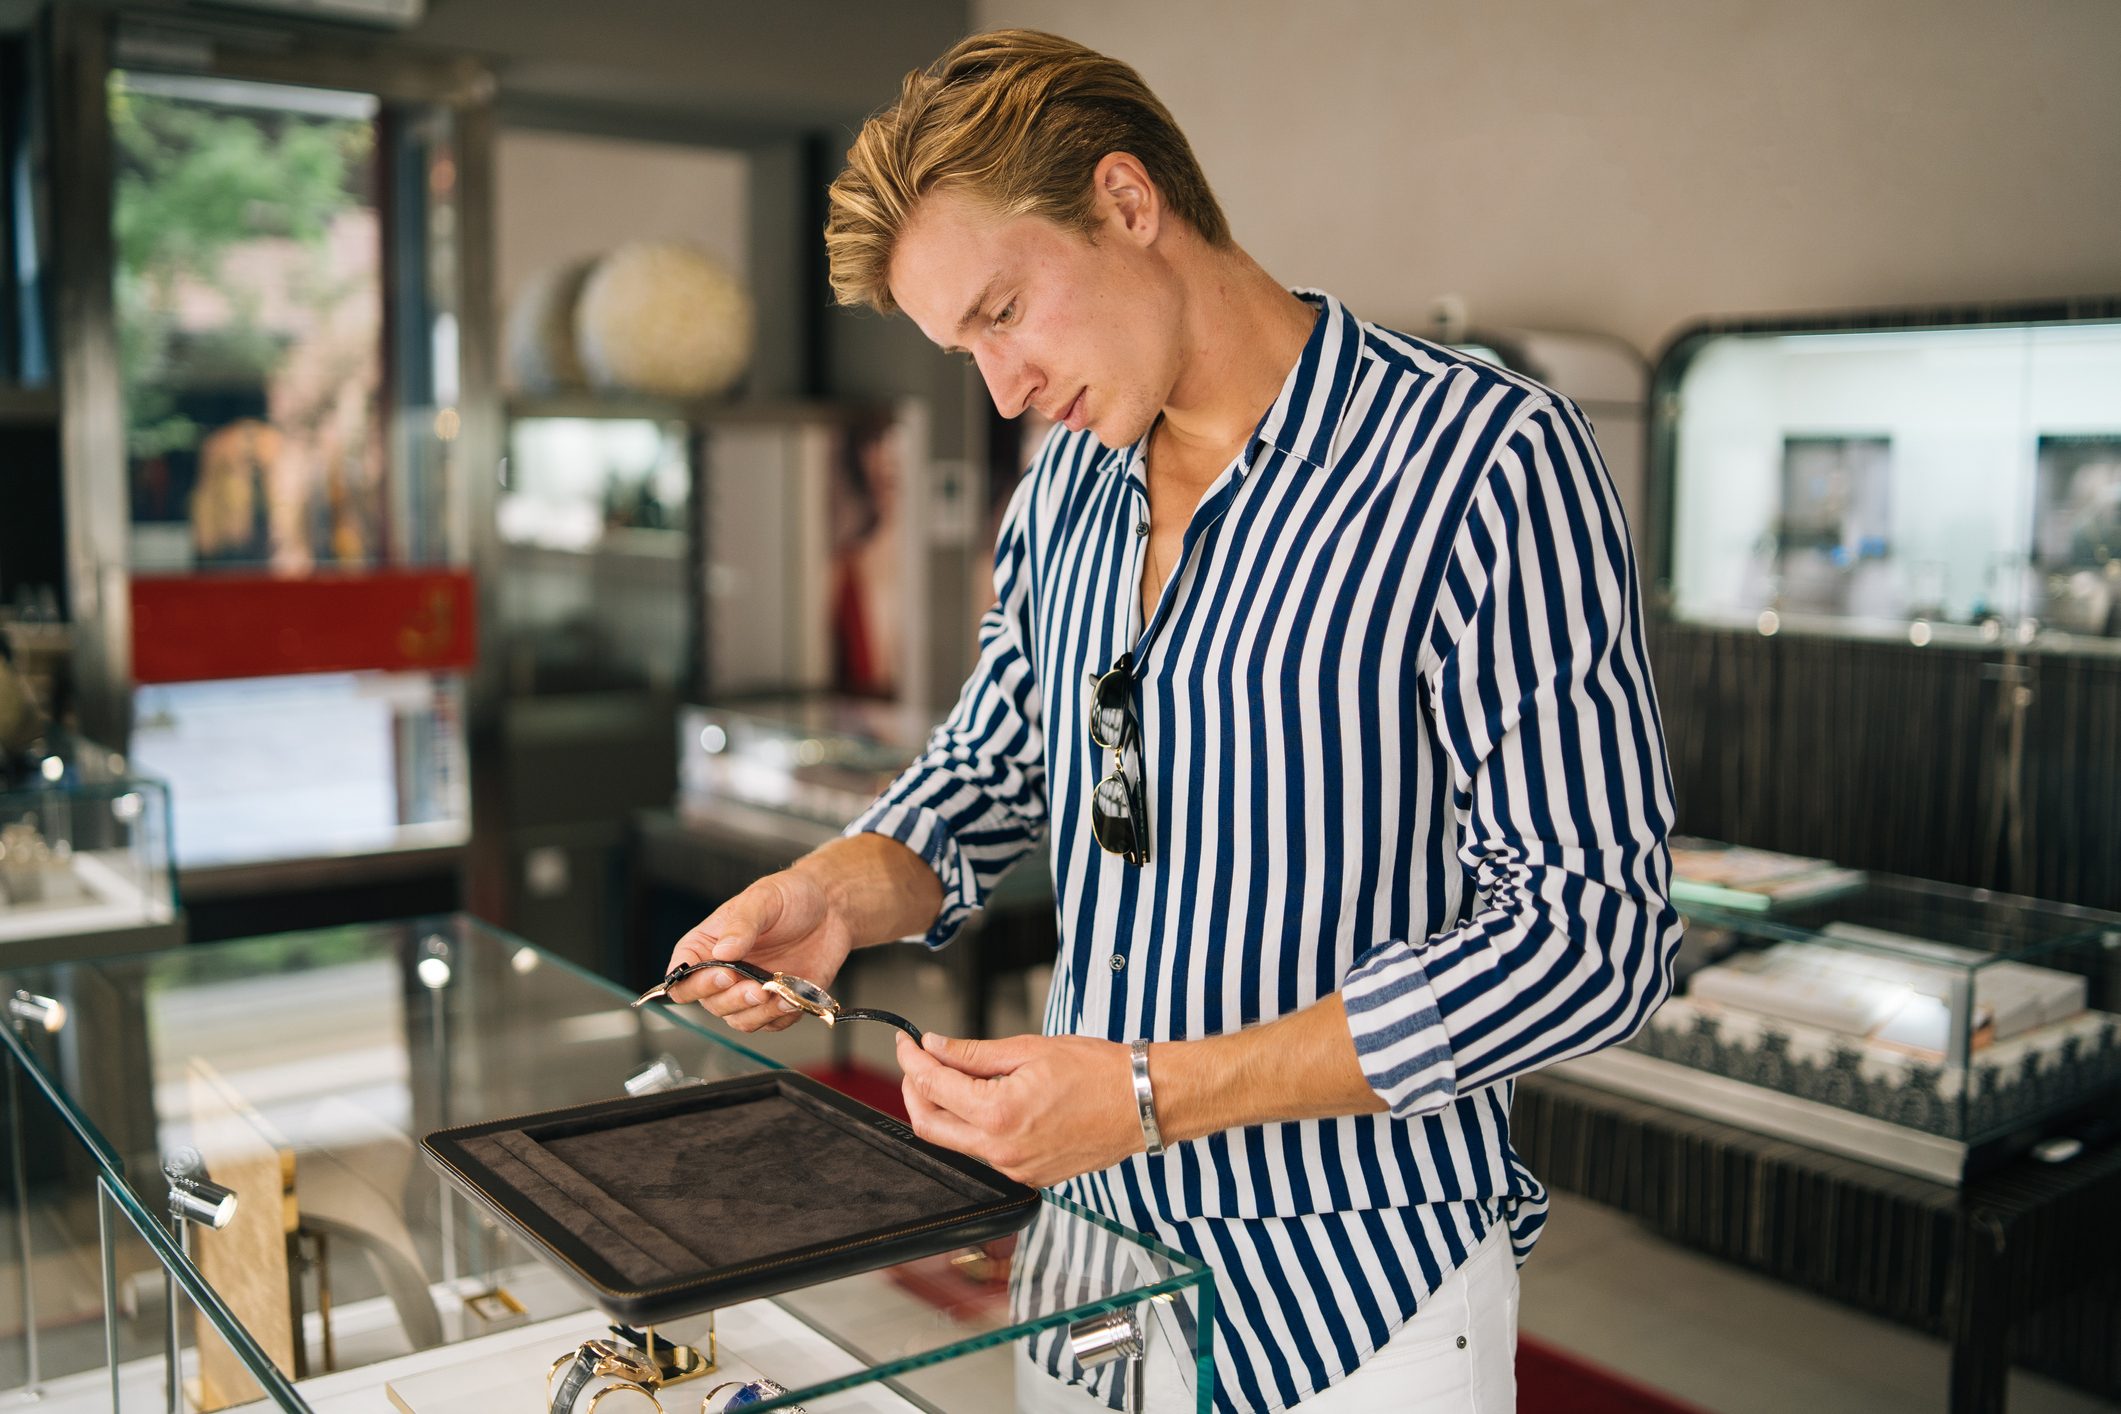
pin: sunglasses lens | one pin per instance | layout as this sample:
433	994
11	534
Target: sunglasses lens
1112	817
1110	712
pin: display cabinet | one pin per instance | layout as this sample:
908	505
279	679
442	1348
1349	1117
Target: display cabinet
272	1093
821	759
1927	1027
84	856
592	523
1929	477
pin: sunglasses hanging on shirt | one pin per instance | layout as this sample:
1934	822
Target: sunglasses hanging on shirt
1119	813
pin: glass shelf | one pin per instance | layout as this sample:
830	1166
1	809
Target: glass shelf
303	1068
84	855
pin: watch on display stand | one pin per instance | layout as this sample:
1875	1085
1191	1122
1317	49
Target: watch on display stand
627	1370
630	1370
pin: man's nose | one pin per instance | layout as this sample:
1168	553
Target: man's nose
1010	382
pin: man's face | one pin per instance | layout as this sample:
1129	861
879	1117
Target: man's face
1085	331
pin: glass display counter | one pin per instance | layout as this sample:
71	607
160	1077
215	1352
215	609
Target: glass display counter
84	857
276	1089
1931	1028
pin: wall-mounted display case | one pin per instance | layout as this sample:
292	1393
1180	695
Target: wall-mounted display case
1920	1025
1946	478
84	856
300	1073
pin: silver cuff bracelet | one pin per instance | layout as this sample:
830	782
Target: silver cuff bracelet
1145	1097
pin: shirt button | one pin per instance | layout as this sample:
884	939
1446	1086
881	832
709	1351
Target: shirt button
1119	963
1141	527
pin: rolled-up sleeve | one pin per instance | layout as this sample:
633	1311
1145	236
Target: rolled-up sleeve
1539	683
975	801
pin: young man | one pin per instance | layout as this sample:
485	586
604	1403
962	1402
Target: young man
1318	666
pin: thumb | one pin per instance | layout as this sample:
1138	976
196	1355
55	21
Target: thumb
732	930
986	1059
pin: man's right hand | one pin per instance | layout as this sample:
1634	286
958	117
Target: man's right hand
783	923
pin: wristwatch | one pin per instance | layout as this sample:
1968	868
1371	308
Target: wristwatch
744	1394
627	1368
800	993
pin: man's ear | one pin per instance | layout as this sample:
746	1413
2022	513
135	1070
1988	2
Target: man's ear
1127	202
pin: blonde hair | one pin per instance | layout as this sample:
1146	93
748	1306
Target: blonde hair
1018	119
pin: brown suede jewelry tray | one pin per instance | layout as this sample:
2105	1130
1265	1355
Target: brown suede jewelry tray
668	1205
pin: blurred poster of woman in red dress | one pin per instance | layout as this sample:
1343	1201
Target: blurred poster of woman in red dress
868	580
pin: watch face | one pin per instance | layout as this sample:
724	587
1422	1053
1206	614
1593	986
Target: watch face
805	994
624	1361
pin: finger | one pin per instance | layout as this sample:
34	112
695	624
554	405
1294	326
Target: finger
938	1126
986	1059
730	930
952	1090
715	988
749	1007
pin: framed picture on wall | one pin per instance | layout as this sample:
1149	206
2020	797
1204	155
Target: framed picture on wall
811	577
1833	537
2077	531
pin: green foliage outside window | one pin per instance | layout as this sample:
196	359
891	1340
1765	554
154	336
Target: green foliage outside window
194	182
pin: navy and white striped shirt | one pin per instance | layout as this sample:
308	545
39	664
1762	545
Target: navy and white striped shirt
1398	741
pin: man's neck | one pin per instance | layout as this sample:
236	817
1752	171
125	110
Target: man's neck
1242	334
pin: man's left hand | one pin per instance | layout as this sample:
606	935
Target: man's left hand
1039	1108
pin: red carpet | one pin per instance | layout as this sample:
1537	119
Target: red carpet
1552	1381
1549	1380
872	1087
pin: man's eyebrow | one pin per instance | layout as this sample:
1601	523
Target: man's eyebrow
979	302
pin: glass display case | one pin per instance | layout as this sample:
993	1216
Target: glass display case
821	759
294	381
308	766
1920	1025
592	520
84	855
272	1092
1942	479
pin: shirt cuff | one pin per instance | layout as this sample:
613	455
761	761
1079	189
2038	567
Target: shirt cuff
923	831
1400	1037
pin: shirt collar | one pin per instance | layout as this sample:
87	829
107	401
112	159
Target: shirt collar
1306	414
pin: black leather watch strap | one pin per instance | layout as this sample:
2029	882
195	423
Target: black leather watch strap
889	1018
660	992
580	1371
742	968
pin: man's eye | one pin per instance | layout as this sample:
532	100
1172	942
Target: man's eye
1007	316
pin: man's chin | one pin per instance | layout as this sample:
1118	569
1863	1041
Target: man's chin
1126	434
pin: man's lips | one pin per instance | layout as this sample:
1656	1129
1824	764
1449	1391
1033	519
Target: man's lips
1072	414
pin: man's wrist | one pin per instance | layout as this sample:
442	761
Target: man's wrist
878	888
1302	1066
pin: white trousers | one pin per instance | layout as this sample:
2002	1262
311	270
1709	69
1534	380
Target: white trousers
1457	1354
